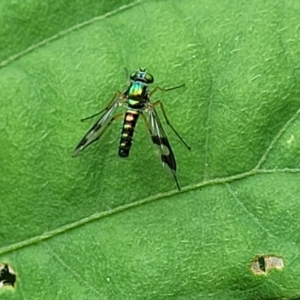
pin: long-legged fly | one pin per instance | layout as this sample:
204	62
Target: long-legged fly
136	98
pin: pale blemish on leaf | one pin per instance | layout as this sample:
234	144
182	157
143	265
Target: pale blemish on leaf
290	140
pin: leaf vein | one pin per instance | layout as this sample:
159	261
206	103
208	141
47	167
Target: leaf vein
276	138
67	31
240	203
151	199
206	138
75	275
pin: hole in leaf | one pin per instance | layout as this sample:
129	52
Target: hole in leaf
261	264
7	276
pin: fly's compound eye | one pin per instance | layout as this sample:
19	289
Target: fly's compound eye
133	75
149	78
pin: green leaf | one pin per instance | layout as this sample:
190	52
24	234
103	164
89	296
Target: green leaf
102	227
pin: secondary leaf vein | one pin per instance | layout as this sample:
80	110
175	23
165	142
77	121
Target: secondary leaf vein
241	204
75	274
276	138
66	32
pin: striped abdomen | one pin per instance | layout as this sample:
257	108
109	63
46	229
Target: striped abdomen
130	120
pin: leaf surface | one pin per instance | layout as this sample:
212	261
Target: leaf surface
101	227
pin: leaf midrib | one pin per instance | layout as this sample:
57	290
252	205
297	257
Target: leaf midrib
151	199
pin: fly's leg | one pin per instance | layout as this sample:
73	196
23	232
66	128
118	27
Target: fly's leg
159	103
166	89
116	94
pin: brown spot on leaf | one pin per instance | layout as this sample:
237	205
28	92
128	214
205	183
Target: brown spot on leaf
261	264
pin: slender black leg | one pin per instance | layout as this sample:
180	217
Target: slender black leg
116	94
159	103
166	89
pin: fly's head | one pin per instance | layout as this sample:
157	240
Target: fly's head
142	76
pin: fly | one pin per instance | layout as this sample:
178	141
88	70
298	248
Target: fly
137	100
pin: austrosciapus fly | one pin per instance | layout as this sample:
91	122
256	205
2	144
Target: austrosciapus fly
136	98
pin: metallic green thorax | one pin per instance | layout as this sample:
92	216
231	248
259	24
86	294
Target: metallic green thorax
136	90
136	95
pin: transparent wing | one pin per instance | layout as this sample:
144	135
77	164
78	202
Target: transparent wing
159	138
98	128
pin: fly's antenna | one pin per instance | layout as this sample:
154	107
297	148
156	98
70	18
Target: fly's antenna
126	73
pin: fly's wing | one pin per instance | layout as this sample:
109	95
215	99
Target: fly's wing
159	138
96	131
